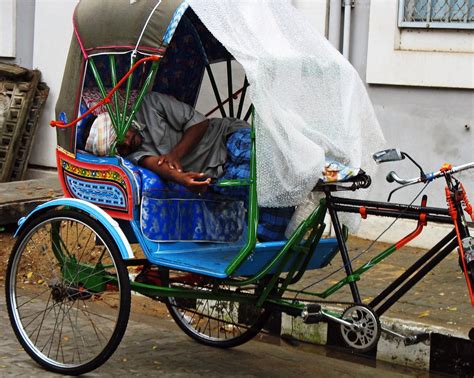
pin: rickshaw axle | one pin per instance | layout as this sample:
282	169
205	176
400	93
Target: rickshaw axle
60	293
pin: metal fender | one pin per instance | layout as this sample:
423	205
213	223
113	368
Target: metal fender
105	219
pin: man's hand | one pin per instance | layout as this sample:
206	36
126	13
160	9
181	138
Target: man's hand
194	181
172	161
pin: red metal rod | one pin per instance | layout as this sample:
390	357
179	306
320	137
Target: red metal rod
107	98
234	96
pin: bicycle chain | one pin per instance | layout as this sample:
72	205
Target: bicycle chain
324	301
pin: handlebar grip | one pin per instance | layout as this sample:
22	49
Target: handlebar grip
390	177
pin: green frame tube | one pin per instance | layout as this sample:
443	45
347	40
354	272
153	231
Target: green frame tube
102	89
252	211
121	120
355	276
113	72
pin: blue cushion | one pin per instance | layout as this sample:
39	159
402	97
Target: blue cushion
171	212
192	219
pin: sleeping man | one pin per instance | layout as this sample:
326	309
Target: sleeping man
179	144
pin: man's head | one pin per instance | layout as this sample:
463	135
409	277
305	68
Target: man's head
102	137
132	141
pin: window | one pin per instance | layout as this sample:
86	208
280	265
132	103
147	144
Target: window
447	14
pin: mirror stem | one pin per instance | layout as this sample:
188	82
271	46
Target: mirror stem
422	173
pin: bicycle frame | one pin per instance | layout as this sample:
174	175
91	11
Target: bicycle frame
394	291
276	287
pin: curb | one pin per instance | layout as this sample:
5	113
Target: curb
446	351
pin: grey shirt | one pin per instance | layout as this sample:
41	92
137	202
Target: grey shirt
164	120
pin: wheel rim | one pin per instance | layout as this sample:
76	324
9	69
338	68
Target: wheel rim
365	330
65	313
218	321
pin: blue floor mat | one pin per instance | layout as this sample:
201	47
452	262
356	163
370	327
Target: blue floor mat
214	260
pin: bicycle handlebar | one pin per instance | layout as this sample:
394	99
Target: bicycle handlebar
447	169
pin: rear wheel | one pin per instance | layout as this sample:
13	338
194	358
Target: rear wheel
221	322
68	292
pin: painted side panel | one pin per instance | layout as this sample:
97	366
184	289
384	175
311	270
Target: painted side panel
102	183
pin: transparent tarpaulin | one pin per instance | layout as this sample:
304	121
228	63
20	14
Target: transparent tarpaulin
309	100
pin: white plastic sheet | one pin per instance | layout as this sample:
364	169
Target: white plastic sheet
309	100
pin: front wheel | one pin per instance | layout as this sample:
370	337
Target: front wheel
220	322
68	292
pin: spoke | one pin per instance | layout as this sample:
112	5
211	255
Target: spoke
87	243
75	329
96	330
98	315
36	314
31	299
99	260
60	338
36	317
40	325
208	319
51	337
56	322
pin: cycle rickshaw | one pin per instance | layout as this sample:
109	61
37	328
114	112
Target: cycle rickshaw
68	281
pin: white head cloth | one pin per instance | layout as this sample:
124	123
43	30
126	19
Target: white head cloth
101	136
309	101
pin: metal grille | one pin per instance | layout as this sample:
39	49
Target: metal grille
452	14
15	101
23	154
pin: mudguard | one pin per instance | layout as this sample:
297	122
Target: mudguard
105	219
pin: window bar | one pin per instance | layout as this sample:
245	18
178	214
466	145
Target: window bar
143	91
468	12
242	98
113	73
96	74
428	11
249	112
229	87
128	90
216	91
409	10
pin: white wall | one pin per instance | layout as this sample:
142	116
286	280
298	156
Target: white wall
53	31
7	28
421	57
316	11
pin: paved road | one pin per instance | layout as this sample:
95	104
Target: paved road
155	346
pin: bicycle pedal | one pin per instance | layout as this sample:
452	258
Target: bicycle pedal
415	339
312	314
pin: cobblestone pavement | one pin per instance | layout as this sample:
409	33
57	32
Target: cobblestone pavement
154	346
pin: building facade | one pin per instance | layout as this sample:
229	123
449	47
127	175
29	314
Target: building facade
415	56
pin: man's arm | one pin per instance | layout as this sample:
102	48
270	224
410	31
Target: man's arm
188	142
193	180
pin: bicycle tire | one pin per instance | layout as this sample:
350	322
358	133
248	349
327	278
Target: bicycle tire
72	293
217	323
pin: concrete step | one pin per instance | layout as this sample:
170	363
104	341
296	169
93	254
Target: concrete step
18	198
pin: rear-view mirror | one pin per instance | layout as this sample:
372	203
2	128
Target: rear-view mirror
392	154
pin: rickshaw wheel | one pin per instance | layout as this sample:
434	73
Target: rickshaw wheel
67	292
217	322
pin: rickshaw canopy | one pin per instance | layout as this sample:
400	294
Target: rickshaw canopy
309	102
